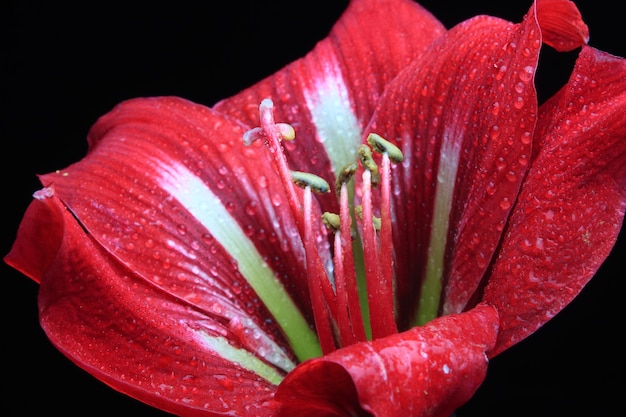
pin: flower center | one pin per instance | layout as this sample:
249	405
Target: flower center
352	285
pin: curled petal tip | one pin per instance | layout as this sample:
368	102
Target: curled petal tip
561	24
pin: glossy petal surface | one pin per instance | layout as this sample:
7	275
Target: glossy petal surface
463	116
425	371
571	207
137	259
330	94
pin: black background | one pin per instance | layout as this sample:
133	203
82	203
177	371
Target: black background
65	64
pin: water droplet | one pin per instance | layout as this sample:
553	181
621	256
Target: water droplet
276	199
181	229
262	181
501	72
523	159
223	170
491	188
207	238
251	208
527	73
505	203
519	102
519	87
511	176
495	108
494	133
526	138
149	243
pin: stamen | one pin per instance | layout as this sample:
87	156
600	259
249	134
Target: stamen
348	277
286	131
380	295
316	278
365	155
345	175
383	146
385	235
331	221
305	179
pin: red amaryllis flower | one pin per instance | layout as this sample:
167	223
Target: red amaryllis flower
179	264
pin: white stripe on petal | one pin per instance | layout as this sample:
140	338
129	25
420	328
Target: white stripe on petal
198	199
333	117
242	357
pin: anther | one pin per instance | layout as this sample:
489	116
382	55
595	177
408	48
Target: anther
331	221
365	155
381	145
345	175
286	131
305	179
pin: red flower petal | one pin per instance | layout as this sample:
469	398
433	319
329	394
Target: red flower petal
571	206
329	95
138	339
463	116
425	371
562	26
164	187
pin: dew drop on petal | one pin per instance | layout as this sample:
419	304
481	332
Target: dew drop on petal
511	176
527	73
495	108
276	200
251	208
262	181
505	203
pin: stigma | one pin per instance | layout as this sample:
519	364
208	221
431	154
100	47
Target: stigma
353	298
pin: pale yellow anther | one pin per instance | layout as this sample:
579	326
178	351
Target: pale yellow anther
286	131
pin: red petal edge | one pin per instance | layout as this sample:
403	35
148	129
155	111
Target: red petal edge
562	26
571	206
127	333
425	371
